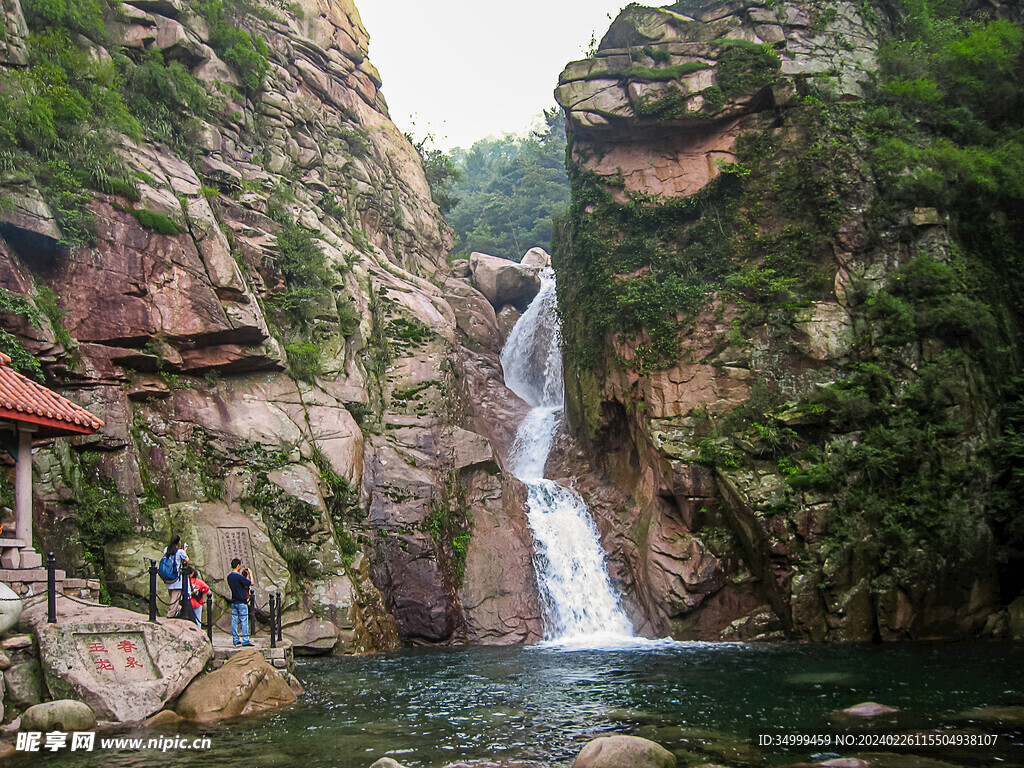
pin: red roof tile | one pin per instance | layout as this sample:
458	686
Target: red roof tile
22	399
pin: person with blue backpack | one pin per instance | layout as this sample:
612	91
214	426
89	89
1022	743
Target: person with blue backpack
175	556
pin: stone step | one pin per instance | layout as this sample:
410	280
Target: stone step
77	584
28	582
281	657
28	574
268	653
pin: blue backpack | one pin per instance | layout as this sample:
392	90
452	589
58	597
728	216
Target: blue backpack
168	569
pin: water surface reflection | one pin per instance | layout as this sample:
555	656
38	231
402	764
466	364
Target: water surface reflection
541	704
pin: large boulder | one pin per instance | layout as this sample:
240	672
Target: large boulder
245	684
870	716
537	258
474	316
503	281
61	715
624	752
121	665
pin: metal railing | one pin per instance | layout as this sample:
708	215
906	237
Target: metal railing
275	608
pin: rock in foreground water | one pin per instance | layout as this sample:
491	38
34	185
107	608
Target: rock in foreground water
863	711
624	752
1012	717
387	762
245	684
62	715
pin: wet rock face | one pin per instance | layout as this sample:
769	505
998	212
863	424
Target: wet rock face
330	444
653	118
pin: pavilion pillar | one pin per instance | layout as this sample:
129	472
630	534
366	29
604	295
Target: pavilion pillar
23	498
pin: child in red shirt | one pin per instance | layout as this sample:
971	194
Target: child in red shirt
197	590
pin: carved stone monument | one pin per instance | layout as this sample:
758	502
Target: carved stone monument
124	667
234	542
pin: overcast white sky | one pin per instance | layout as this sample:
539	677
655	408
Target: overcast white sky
467	69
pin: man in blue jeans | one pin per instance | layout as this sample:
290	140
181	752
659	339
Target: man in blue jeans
240	582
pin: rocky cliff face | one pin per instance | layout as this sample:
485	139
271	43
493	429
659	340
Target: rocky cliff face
785	465
263	317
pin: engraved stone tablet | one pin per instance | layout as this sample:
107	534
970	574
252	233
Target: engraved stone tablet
116	656
234	542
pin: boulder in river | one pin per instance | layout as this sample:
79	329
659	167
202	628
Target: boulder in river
537	258
61	715
245	684
165	718
1007	717
624	752
503	281
865	709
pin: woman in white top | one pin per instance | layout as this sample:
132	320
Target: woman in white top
177	550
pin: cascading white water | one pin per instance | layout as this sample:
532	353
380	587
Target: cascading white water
580	605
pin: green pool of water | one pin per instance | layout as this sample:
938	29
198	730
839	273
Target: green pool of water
428	708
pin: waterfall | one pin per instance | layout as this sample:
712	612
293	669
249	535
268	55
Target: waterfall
580	606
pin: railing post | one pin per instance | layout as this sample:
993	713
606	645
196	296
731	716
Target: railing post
273	622
152	590
280	620
51	589
209	617
252	614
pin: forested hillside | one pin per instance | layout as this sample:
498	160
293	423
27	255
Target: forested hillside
510	190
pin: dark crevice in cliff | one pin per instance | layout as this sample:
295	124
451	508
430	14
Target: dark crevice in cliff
40	252
755	547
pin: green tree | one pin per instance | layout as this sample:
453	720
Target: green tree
441	172
512	188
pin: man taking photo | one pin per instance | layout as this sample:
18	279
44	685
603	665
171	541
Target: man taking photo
240	583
